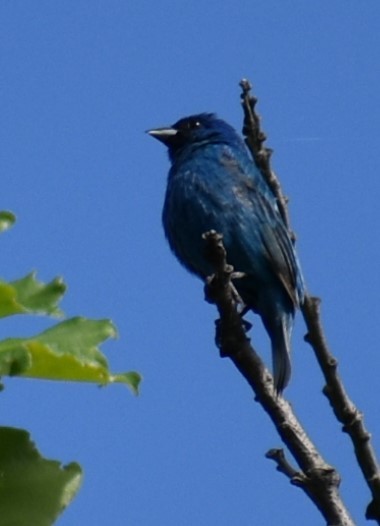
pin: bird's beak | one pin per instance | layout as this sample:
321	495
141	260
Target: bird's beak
163	134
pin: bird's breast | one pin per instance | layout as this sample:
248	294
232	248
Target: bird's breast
197	200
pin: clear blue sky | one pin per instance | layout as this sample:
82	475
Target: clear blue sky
80	81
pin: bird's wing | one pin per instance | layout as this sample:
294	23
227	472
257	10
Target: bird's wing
251	190
278	247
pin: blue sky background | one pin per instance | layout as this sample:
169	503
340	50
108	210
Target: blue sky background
80	81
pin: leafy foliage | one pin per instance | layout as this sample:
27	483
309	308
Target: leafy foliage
29	296
7	219
67	351
34	490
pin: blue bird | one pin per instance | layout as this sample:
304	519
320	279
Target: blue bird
214	184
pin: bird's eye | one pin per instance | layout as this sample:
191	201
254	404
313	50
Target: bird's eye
188	125
193	125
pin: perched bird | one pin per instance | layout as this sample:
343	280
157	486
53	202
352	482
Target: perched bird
213	183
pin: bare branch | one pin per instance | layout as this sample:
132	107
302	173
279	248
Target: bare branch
344	409
255	138
317	479
283	465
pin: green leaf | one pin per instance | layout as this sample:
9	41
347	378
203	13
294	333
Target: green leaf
67	351
30	296
33	490
132	379
7	220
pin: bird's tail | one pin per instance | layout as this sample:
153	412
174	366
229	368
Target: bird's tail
280	338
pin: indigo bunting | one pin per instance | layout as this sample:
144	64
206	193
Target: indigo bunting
214	184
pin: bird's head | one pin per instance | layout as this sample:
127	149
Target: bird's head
194	131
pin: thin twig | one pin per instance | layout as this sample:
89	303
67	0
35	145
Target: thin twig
255	138
316	478
344	409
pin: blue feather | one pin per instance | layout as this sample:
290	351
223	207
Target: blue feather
214	184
